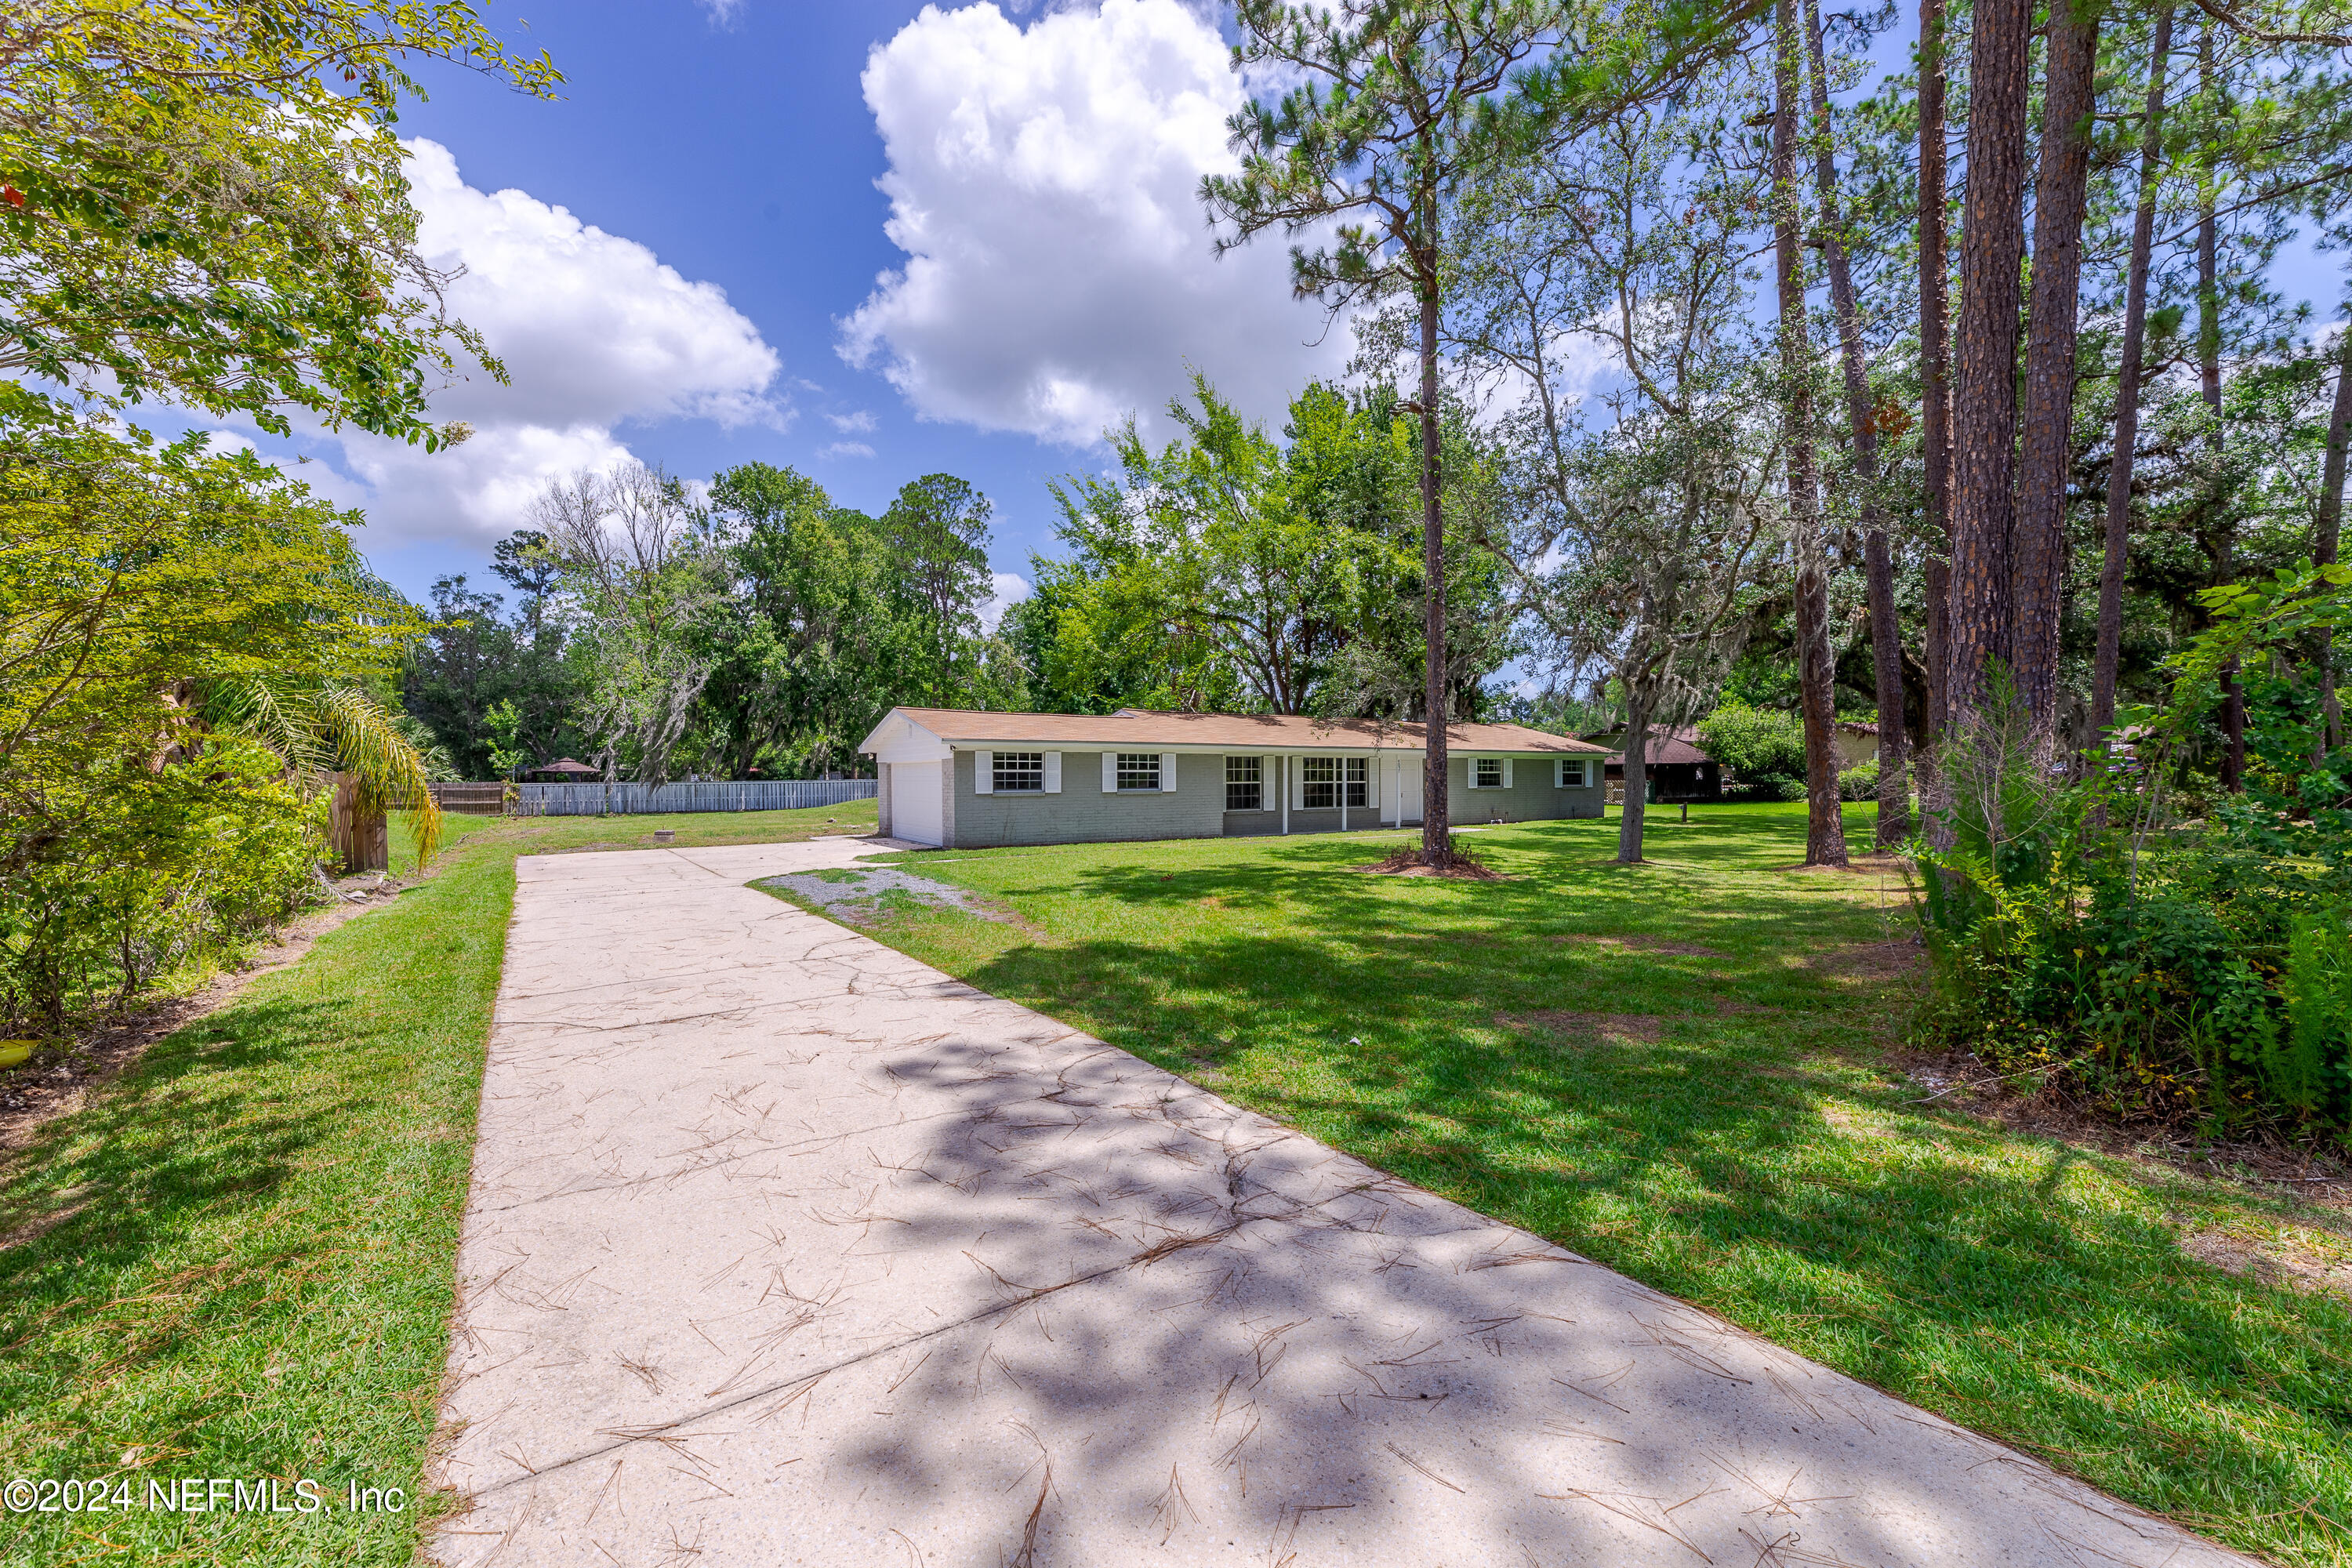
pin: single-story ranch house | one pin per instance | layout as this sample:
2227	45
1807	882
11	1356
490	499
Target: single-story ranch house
961	779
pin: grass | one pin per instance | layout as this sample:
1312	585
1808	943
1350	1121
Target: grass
250	1237
1724	1124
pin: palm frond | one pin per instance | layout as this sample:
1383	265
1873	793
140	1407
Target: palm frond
253	706
368	744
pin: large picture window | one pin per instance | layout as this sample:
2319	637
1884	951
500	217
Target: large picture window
1138	769
1321	780
1014	772
1245	785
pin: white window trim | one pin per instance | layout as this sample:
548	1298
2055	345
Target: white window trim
1580	767
1471	772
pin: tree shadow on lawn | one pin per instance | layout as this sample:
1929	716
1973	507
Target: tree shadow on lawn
1749	1164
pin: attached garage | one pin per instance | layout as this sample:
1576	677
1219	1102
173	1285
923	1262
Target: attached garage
916	796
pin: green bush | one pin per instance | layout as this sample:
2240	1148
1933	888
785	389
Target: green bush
2082	935
1757	745
1859	782
159	867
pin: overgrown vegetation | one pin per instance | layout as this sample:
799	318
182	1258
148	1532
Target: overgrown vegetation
202	205
2157	947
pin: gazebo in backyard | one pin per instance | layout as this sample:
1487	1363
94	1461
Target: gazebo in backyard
564	769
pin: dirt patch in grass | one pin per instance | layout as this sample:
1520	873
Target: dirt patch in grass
2271	1265
1407	862
1643	944
1614	1028
1871	959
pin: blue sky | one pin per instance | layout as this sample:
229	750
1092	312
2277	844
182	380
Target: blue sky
676	258
1045	161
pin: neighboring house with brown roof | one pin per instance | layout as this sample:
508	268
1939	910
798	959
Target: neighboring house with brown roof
957	778
1673	766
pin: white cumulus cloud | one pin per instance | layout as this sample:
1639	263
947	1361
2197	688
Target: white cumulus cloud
846	449
1006	589
1044	183
595	332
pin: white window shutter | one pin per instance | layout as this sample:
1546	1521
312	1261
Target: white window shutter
1292	772
1110	773
1560	773
983	772
1267	798
1167	772
1052	773
1506	773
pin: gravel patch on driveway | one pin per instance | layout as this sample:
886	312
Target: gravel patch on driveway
867	895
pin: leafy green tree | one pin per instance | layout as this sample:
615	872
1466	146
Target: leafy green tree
1756	745
642	585
1402	106
189	644
810	634
936	532
1227	569
202	200
1396	111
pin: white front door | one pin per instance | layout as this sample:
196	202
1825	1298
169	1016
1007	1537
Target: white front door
1403	801
917	809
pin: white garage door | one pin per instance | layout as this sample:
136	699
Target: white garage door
914	802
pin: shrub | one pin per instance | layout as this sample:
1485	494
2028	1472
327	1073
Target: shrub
1859	782
198	855
1756	744
2081	934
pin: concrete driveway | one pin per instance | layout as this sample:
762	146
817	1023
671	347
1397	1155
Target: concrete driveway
784	1249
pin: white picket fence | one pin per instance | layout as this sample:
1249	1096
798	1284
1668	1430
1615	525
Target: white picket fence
637	799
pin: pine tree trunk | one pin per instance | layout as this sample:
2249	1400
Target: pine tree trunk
2108	659
2327	533
1934	395
1878	559
2221	528
2038	579
1984	404
1436	824
1824	826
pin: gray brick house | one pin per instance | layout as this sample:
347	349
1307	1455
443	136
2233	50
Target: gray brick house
962	779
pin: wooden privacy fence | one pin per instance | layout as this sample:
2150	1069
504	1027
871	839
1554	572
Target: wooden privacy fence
635	799
472	799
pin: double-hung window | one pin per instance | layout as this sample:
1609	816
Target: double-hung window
1012	772
1245	785
1138	769
1322	780
1572	774
1488	773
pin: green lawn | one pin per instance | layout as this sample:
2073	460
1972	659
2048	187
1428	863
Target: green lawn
251	1234
1720	1123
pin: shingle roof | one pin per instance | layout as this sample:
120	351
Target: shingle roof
1672	747
1138	727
